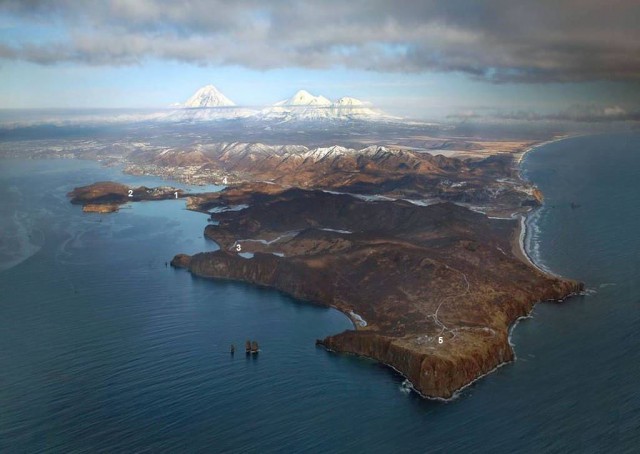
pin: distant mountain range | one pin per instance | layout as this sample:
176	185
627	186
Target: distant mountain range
208	103
325	167
305	106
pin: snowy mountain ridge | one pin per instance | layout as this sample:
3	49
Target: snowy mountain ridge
305	106
208	104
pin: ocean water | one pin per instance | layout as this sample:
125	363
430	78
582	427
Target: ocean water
105	349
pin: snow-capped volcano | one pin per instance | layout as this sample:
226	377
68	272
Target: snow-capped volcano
208	104
305	106
352	108
304	98
208	96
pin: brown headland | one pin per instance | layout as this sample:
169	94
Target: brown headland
107	196
422	252
432	290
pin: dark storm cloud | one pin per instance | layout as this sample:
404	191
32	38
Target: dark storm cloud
500	40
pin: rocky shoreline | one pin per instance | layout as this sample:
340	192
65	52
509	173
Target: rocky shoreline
432	287
434	374
107	196
408	286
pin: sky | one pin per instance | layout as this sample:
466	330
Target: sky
420	59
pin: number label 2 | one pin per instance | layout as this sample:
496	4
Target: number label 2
130	192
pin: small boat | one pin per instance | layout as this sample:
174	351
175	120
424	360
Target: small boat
233	349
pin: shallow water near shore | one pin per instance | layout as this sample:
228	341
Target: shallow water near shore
105	349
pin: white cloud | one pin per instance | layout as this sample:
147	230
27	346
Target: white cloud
533	41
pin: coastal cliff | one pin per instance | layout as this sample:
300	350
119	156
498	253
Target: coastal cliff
422	253
429	295
437	375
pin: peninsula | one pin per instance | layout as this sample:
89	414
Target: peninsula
107	196
422	252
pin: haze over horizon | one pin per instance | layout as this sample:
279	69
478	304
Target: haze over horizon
539	60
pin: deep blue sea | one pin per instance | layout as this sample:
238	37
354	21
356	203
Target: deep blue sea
105	349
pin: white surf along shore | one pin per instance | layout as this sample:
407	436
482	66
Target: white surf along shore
527	221
526	239
525	242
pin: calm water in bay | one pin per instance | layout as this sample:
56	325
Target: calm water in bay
104	349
